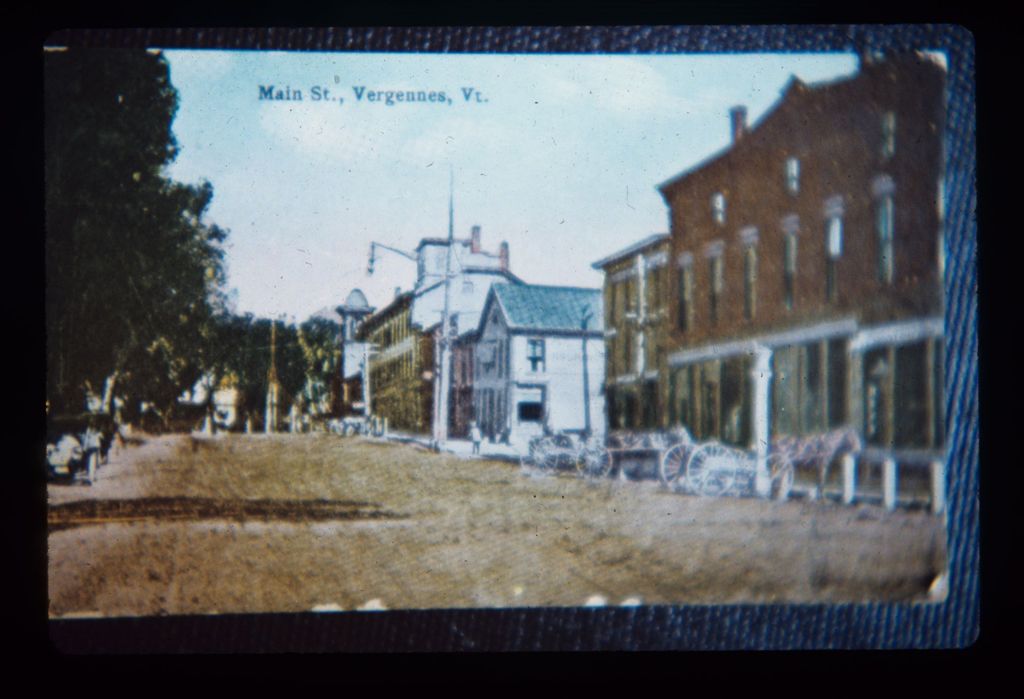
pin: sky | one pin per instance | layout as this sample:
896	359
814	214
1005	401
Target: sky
559	155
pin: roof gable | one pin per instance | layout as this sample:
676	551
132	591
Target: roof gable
548	308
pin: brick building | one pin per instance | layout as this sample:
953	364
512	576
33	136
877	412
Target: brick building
814	244
636	320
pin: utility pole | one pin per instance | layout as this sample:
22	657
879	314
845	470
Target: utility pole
587	315
270	413
367	350
444	370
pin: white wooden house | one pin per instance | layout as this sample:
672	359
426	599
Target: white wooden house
539	362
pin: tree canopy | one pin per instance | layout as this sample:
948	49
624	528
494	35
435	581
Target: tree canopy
133	273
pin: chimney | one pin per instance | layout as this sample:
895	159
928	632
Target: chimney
503	256
738	117
474	245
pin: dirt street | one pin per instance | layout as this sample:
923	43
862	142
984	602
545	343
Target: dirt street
236	523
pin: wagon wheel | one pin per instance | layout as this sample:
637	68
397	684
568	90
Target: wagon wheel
673	464
547	459
782	476
711	470
594	463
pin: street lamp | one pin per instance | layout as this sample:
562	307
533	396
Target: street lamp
373	255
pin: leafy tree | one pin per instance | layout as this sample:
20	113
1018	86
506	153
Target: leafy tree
320	340
133	272
307	359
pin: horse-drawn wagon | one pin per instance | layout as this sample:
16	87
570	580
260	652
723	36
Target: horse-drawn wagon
696	468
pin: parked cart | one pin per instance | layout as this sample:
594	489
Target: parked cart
715	469
707	469
631	447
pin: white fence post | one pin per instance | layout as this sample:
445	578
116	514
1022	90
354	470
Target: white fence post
849	478
938	472
889	483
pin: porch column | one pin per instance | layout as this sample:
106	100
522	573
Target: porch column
938	477
761	375
889	483
849	478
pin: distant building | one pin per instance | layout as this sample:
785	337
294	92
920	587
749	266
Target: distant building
814	242
401	375
539	361
403	337
636	320
461	398
353	352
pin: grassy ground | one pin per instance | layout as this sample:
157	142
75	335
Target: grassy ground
447	532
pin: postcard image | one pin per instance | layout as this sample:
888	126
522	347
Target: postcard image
340	332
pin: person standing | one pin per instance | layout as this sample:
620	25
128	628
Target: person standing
476	436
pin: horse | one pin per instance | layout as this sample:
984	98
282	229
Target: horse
818	451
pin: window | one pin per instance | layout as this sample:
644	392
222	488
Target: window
530	412
833	251
793	176
888	134
717	282
718	208
749	282
685	317
655	296
789	270
535	355
629	289
612	297
467	287
627	348
884	224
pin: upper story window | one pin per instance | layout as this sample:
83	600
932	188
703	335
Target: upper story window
750	282
684	319
629	289
833	251
611	306
884	223
654	292
883	188
718	208
535	355
793	176
789	268
888	134
716	273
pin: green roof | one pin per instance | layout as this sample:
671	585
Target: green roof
553	308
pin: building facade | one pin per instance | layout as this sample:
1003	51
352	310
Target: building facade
539	362
814	243
399	384
636	325
403	339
